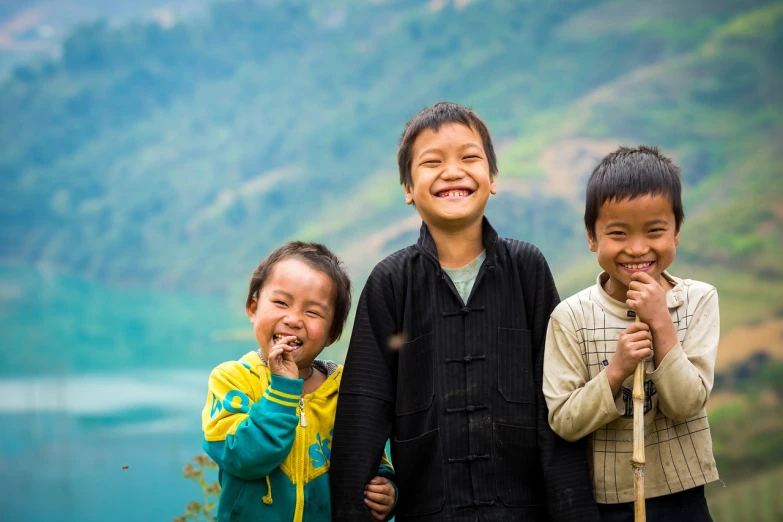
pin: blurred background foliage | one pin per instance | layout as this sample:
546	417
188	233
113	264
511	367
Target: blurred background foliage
152	153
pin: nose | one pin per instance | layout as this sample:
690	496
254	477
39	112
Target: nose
452	171
636	247
293	319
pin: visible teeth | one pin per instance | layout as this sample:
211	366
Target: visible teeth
294	343
637	266
455	193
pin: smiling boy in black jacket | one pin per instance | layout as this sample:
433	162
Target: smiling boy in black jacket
446	355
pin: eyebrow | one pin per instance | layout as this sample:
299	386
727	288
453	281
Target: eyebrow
290	296
648	223
461	147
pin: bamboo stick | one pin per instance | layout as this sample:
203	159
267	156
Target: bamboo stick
637	461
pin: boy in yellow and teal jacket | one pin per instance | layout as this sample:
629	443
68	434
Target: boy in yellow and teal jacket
269	417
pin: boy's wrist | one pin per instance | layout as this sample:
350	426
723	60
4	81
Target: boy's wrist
615	378
659	321
284	376
282	395
654	314
285	384
662	328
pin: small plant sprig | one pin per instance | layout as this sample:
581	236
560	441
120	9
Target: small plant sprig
205	510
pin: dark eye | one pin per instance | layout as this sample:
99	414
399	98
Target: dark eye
431	162
472	157
313	313
616	233
280	303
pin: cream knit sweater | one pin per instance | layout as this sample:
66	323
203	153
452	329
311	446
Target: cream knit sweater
581	339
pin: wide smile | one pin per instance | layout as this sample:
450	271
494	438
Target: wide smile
295	344
644	266
454	193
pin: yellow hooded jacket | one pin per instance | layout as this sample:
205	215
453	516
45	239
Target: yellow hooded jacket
273	446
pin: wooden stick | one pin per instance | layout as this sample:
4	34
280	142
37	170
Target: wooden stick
637	461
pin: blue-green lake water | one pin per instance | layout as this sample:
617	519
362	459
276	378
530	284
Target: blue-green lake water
65	441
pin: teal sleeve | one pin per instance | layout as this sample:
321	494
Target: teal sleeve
262	441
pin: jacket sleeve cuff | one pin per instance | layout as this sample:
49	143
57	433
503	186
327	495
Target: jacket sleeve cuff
282	395
669	360
610	405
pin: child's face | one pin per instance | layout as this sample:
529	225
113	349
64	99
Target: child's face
295	300
634	235
451	179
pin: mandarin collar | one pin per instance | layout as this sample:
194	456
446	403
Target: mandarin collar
489	238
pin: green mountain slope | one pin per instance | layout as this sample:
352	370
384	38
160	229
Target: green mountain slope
171	159
173	156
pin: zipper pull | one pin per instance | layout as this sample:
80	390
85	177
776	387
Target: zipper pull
302	418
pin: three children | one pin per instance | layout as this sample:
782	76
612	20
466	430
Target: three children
448	360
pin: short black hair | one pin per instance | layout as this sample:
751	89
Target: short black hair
629	173
317	257
434	117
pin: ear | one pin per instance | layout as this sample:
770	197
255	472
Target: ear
408	194
493	189
677	238
591	241
251	310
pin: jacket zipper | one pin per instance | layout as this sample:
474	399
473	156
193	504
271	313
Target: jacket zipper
300	446
302	418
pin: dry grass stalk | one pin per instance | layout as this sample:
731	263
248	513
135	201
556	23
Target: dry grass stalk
637	460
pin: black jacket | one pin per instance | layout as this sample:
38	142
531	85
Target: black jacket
457	388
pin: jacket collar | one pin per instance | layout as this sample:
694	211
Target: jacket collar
256	364
489	238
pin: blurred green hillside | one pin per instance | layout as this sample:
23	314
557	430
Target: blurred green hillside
175	157
170	158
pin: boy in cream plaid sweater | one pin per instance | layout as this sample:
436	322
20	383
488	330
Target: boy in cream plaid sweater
633	215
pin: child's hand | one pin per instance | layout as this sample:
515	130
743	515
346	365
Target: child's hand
281	362
379	496
647	298
634	344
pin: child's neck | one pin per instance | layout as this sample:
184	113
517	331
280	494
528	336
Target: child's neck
457	248
313	383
